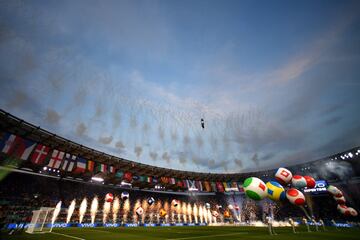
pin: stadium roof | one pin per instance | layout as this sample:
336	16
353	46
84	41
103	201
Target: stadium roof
27	130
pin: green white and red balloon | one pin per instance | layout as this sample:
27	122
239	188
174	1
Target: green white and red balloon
298	181
255	188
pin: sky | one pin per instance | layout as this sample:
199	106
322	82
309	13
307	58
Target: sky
276	82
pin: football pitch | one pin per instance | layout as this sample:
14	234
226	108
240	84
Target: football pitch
184	233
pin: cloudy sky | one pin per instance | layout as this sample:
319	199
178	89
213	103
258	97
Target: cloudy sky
276	82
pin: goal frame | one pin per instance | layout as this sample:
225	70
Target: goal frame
38	221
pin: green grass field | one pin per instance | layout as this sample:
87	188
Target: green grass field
184	233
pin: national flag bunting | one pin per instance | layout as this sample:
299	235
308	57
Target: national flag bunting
220	187
190	184
199	186
90	166
112	169
7	143
17	146
172	181
127	176
56	159
119	174
101	168
164	180
149	179
80	166
39	155
69	162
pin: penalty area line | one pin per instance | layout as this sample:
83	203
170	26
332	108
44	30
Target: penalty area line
67	235
205	236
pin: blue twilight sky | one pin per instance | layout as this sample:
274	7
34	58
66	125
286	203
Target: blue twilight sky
277	82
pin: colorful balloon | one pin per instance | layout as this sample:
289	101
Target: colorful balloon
283	176
124	195
334	191
298	181
109	197
353	212
174	203
340	200
275	191
215	213
139	211
310	182
343	210
255	188
295	196
162	213
150	200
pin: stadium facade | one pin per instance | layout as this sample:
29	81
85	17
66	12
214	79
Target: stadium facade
40	169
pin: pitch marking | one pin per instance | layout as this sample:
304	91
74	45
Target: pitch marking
67	235
218	235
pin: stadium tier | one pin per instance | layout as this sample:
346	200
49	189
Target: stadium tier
89	188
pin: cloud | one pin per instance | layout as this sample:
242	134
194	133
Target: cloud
81	129
105	140
52	116
333	120
138	150
153	156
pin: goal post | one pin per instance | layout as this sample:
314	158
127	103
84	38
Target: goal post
41	221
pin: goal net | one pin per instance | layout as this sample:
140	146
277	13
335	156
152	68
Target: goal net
41	221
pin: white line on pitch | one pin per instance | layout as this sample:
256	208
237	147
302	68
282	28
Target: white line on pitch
205	236
67	235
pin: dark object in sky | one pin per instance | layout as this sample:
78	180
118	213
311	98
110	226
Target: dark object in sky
202	123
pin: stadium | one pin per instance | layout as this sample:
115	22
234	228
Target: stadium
179	120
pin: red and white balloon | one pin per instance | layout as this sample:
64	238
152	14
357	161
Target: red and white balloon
310	182
109	197
344	210
295	196
283	176
340	200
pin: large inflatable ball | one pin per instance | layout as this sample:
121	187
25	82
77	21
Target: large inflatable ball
150	200
162	213
124	195
215	213
109	197
310	182
298	181
295	196
231	207
340	200
174	203
334	191
255	188
207	205
283	176
139	211
353	212
343	210
275	191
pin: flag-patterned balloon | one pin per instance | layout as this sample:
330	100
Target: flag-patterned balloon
255	188
283	176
